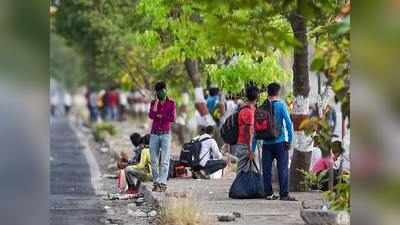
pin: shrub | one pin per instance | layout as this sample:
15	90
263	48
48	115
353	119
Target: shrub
313	181
182	211
102	130
339	197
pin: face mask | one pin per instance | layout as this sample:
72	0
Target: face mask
161	95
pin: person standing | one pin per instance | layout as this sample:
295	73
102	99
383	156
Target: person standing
278	148
112	99
54	101
67	103
244	147
163	113
91	99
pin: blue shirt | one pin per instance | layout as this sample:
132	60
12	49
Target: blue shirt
282	116
212	101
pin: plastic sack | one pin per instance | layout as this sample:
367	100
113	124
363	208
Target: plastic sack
247	184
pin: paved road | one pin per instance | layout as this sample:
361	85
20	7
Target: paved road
72	198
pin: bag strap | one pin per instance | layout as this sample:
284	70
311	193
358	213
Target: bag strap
252	162
209	152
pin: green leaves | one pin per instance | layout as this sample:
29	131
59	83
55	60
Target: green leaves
243	69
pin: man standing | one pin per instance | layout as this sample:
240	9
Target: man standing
243	149
163	113
278	148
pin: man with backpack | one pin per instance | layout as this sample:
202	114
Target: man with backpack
275	145
243	147
210	159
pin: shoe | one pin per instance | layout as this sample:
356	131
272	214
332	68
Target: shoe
156	188
163	187
203	175
271	197
287	198
196	175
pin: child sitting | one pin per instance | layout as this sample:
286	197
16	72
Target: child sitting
137	169
140	171
327	161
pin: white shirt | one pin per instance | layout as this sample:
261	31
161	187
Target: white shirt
93	99
123	98
67	99
316	154
208	146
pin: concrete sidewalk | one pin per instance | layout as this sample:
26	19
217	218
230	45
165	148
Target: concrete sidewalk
212	196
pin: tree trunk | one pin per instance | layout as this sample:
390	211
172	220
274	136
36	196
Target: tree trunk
301	88
90	63
192	69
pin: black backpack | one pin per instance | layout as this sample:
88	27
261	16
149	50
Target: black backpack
265	123
190	155
230	129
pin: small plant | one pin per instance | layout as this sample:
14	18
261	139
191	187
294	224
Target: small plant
313	181
102	130
339	197
182	211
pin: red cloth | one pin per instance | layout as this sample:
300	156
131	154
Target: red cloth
113	98
246	117
322	164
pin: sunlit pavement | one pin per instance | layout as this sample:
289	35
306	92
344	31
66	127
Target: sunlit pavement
72	197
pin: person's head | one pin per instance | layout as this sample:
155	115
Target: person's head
209	130
214	91
273	89
337	149
161	90
146	140
252	93
136	139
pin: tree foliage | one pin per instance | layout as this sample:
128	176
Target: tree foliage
243	69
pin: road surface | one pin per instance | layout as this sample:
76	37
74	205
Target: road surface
73	200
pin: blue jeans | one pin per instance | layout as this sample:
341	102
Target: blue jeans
112	112
93	113
160	150
276	151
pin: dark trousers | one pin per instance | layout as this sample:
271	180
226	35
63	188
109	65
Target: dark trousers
213	166
270	152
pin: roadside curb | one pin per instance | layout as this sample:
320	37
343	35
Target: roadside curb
151	197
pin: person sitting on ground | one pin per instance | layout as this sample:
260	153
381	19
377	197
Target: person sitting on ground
138	145
211	159
327	161
139	171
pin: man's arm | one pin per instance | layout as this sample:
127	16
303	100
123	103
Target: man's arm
143	160
249	131
215	150
153	108
171	116
288	122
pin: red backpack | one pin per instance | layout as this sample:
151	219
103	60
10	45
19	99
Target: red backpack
264	122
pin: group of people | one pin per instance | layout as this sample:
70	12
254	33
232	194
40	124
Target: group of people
152	152
110	104
272	149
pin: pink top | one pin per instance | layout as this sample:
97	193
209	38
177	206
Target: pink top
323	164
167	110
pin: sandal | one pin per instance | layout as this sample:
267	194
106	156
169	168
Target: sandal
271	197
288	198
